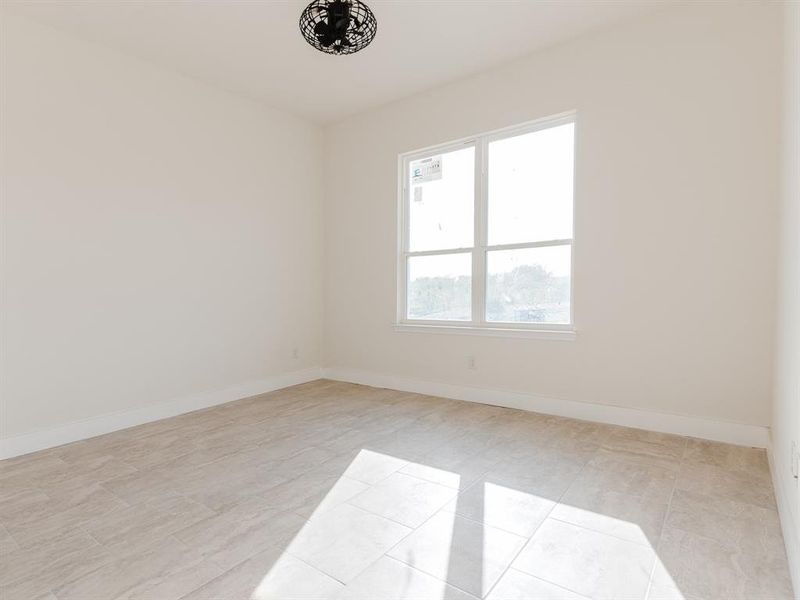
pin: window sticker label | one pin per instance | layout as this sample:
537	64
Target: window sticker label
427	169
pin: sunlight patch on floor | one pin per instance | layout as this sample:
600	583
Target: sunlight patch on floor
341	543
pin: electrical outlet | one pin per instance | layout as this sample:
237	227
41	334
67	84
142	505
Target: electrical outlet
471	363
295	353
795	460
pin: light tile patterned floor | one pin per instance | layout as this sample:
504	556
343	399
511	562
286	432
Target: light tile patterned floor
332	490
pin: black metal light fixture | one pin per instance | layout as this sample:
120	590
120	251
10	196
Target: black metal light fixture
338	26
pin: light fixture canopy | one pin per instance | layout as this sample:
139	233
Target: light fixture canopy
338	26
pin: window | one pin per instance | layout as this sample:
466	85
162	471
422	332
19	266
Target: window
486	233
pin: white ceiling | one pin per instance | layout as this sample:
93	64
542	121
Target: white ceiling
254	48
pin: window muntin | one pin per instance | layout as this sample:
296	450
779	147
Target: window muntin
486	230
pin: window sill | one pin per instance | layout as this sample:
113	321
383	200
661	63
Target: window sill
564	335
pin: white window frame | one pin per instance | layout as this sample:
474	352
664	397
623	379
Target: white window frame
478	325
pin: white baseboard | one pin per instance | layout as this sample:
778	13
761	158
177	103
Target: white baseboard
791	529
720	431
734	433
80	430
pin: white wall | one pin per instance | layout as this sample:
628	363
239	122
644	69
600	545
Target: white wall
163	239
676	217
160	238
786	410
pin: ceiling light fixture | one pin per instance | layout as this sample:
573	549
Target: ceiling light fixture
338	26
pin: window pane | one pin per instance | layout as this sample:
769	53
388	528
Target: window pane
440	287
441	199
529	285
530	186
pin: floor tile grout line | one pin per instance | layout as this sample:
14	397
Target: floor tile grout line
547	516
442	508
436	483
413	530
666	518
558	585
374	514
384	554
601	532
283	552
414	568
288	552
82	528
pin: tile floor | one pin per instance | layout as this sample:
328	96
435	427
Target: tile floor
332	490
